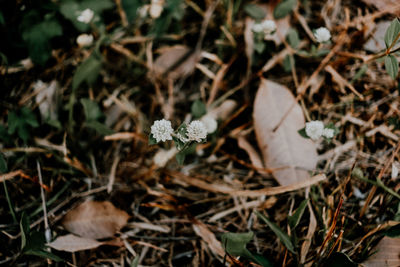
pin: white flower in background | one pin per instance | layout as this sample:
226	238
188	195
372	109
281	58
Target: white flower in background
314	129
257	27
156	8
84	40
322	35
395	169
328	133
196	131
143	10
86	16
210	123
163	156
268	26
162	130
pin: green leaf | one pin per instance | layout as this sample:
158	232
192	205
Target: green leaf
235	244
180	157
338	259
393	231
3	164
285	239
152	140
20	122
25	229
135	261
38	37
284	8
303	133
87	72
391	66
259	46
131	7
254	11
391	33
293	38
287	65
295	218
99	127
198	109
91	109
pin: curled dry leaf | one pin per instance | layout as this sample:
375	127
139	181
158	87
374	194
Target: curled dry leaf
283	149
388	253
73	243
175	62
93	219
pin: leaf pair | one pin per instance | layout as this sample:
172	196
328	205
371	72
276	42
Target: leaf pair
392	36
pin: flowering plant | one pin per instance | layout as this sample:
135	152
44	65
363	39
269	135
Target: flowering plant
185	137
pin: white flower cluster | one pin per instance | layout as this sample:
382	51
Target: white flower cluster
322	35
162	130
195	131
85	16
84	40
267	27
316	129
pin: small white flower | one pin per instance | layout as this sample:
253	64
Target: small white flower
86	16
257	27
328	133
322	35
84	40
162	130
314	129
156	8
196	131
268	26
210	123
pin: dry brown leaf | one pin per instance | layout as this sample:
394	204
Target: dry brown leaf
175	62
73	243
283	148
388	253
390	6
93	219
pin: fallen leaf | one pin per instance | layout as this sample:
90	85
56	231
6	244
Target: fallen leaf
284	148
390	6
93	219
388	253
175	62
73	243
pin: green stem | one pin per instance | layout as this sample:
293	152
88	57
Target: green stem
10	206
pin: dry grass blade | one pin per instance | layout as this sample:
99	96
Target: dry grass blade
226	189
